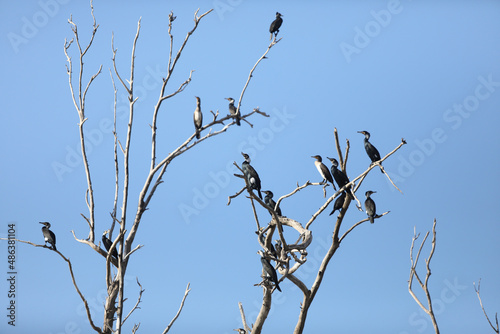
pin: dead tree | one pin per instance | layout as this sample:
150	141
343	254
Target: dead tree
114	313
413	273
290	256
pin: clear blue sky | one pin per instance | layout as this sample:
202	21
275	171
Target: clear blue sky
428	73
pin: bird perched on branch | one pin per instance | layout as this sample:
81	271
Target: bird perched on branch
48	235
275	25
323	170
240	331
232	110
370	206
370	149
198	117
107	244
269	270
269	201
339	176
250	174
339	202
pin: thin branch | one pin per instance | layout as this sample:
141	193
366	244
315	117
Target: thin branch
273	43
429	310
70	266
359	223
482	307
179	311
136	306
243	318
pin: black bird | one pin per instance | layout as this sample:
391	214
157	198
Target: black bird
339	175
107	244
278	248
269	201
370	206
370	149
262	237
198	117
250	174
240	331
275	26
269	269
339	202
48	235
323	170
232	110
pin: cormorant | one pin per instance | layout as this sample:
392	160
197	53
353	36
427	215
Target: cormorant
339	175
107	244
240	331
370	149
233	111
323	170
198	117
275	26
48	235
250	174
262	237
269	269
269	201
339	202
370	206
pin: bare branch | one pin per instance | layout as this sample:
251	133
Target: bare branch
179	311
136	306
243	318
482	307
424	286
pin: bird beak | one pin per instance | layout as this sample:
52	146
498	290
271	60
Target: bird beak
313	157
360	131
374	192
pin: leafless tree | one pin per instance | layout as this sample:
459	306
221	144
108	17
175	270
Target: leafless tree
413	273
114	313
290	256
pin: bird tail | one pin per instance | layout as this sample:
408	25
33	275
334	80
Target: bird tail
371	219
260	195
238	120
54	247
271	38
331	213
278	287
197	134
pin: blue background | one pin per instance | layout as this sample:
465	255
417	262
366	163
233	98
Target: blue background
396	69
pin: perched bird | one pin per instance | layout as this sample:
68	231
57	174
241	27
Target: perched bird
339	202
323	170
370	149
269	201
198	117
269	270
370	206
262	237
339	176
278	248
240	331
275	25
107	244
250	174
232	110
48	235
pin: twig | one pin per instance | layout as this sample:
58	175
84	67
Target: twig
179	311
243	318
136	306
482	307
424	286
